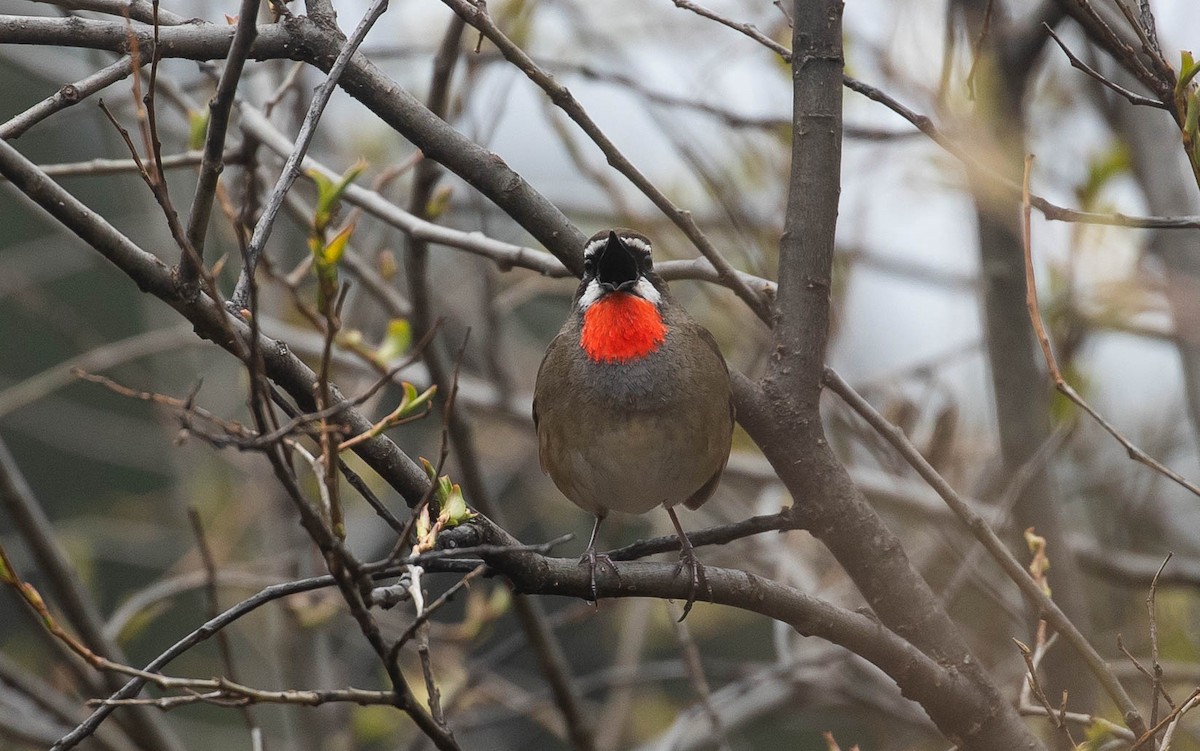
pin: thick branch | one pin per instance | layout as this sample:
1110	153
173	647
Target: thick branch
806	248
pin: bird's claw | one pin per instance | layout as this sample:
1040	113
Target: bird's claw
688	558
595	560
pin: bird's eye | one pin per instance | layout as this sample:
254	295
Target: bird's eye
589	265
647	262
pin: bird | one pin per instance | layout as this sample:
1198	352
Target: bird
633	405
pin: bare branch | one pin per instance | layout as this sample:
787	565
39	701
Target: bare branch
979	527
68	96
137	10
214	139
82	612
1136	99
1060	383
475	13
291	168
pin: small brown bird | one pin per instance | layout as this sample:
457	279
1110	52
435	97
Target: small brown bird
632	406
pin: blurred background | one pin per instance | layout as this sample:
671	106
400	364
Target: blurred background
920	323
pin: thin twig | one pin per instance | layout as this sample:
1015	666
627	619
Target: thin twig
748	29
695	670
1136	99
1060	383
1168	721
433	607
1169	735
227	693
214	608
476	14
1033	687
136	10
67	96
1144	29
1157	679
977	47
214	140
291	168
979	527
1080	718
103	167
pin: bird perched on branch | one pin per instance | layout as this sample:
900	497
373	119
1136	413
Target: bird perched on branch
632	406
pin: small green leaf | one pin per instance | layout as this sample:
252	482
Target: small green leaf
1191	124
1097	734
430	470
396	342
329	193
324	189
331	255
423	525
197	128
414	402
1187	70
439	202
454	508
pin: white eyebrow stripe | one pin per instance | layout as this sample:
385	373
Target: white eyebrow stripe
637	242
591	248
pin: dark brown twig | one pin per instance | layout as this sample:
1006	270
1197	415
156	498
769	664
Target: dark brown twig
291	168
1167	721
1057	717
214	140
979	527
67	96
475	13
214	608
1136	99
695	670
1060	383
977	47
748	29
1156	681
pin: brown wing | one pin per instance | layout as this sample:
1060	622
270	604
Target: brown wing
552	357
706	490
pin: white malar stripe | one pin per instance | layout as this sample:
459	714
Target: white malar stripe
590	295
646	290
643	289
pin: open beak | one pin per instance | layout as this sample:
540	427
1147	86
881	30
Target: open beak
616	266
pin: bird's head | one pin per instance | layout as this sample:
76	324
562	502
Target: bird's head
620	298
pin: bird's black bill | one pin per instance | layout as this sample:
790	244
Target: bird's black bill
616	265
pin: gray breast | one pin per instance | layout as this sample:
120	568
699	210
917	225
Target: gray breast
647	384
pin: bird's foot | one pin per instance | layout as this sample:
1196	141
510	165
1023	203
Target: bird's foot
697	579
594	560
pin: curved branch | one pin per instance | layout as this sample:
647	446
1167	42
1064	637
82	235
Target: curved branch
983	532
475	13
210	322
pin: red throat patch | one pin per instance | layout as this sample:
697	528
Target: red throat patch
620	327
